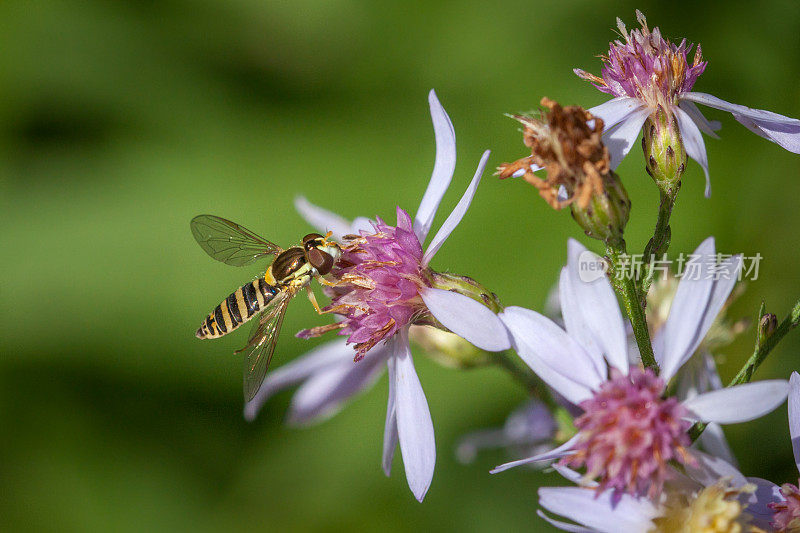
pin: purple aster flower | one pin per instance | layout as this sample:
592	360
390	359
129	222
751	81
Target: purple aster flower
629	453
387	288
647	72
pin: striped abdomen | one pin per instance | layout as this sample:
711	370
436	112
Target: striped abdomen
237	309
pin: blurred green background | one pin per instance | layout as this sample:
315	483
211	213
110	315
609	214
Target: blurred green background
120	121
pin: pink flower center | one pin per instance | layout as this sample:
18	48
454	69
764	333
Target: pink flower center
648	67
787	513
629	433
380	275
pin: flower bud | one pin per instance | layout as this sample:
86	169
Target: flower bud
766	326
607	213
448	349
664	152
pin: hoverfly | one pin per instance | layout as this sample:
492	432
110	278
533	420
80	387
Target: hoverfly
292	270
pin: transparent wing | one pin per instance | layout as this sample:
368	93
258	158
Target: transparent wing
229	242
261	346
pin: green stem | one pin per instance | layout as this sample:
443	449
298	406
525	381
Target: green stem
525	377
625	285
659	243
760	353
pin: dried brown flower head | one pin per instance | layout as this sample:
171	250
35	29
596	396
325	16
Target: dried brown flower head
566	142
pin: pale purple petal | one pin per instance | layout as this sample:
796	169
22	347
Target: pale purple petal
680	333
616	110
600	512
766	493
597	304
714	442
324	356
467	318
727	274
457	214
443	168
708	127
556	453
414	424
620	139
782	130
322	219
693	141
739	403
794	416
321	396
390	426
552	354
575	477
709	470
563	526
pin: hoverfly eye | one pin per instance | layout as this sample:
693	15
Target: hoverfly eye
320	260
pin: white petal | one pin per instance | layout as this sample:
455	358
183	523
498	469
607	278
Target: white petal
324	394
552	354
457	214
322	219
597	304
467	318
616	110
599	512
693	141
414	424
390	426
318	359
443	168
680	333
563	526
620	139
739	403
794	416
361	224
556	453
706	126
780	129
574	476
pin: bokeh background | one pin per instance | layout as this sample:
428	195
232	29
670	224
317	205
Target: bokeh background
120	121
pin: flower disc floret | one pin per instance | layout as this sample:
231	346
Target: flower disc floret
787	512
629	433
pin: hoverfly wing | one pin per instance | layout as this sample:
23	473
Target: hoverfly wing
261	345
229	242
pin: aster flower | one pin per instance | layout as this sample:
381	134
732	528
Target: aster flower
647	73
629	431
385	285
710	496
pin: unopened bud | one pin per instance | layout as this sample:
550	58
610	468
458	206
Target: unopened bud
607	213
664	152
766	326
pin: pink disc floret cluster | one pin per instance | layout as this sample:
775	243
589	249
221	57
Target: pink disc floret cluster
648	67
629	433
384	274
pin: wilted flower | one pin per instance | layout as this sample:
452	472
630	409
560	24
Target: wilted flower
629	430
647	73
566	141
385	285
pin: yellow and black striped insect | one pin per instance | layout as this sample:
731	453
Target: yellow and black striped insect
292	270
